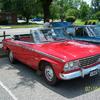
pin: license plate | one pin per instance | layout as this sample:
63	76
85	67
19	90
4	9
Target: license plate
93	73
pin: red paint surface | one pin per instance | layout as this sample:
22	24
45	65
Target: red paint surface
67	51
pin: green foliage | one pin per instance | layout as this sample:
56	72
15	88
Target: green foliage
24	25
26	8
61	8
3	22
76	3
96	5
84	11
72	12
98	15
70	19
79	22
55	10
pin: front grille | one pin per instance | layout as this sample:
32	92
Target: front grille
89	60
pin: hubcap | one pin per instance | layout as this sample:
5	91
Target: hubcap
49	73
11	56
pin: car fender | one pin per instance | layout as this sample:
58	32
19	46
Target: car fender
56	65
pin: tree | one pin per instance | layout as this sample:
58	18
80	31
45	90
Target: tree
98	15
61	8
84	11
46	8
72	12
76	3
58	8
55	10
26	8
7	5
96	5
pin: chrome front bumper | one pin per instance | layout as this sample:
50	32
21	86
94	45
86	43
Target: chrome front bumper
80	73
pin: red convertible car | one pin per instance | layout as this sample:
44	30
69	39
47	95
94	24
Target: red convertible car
53	53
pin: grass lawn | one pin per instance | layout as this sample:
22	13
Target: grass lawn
23	25
80	22
20	26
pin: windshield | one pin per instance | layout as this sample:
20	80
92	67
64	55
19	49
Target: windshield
96	30
56	34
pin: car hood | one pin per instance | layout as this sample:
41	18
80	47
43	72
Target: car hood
70	50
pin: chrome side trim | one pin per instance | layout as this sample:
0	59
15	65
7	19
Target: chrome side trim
31	49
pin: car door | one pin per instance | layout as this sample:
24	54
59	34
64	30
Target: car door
16	49
28	52
19	47
30	56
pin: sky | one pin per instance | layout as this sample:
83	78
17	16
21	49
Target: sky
88	1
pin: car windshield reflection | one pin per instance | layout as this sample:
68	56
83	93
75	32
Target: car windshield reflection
52	35
96	30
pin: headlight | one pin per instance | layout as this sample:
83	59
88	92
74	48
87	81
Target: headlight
71	65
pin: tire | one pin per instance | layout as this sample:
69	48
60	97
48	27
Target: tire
11	57
49	75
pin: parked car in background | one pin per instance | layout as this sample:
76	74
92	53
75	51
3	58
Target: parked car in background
89	33
36	19
54	54
60	24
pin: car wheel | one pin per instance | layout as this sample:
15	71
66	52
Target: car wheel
11	57
49	75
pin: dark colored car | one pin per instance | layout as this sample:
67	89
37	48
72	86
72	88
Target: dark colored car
37	19
89	33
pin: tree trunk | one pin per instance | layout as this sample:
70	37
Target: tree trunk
46	4
27	20
46	12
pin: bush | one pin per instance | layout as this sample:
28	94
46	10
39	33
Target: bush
70	19
72	12
98	15
4	22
